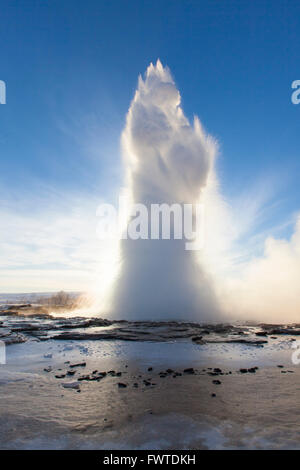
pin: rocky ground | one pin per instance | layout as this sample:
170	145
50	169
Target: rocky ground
20	323
93	383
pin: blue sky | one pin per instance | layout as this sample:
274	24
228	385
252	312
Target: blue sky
71	69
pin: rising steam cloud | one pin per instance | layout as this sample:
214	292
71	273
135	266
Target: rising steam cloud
268	288
167	160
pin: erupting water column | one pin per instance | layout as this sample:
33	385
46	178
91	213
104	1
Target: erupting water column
166	161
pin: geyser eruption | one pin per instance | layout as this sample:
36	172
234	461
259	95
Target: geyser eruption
167	161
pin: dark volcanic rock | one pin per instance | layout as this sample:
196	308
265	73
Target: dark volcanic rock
14	307
90	378
190	370
197	338
285	331
257	342
281	329
79	364
83	377
122	385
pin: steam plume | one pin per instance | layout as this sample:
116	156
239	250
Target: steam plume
267	288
